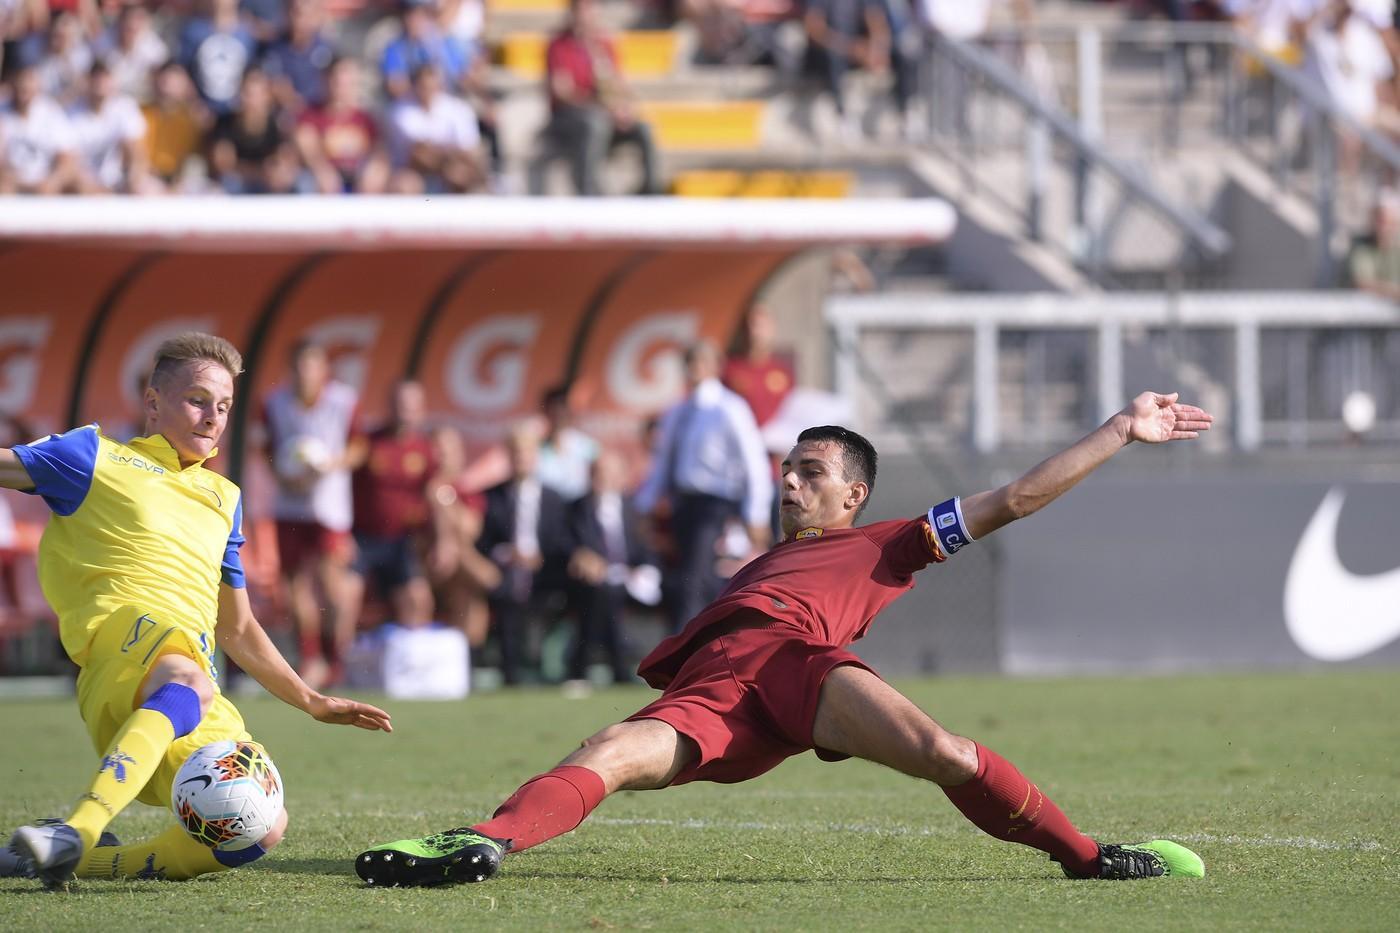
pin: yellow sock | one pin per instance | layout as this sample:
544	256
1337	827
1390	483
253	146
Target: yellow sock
131	759
172	855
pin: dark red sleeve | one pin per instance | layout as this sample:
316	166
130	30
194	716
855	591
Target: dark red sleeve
906	545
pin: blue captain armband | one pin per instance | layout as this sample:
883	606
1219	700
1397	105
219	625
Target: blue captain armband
946	520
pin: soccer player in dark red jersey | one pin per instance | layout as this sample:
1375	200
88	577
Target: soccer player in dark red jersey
763	672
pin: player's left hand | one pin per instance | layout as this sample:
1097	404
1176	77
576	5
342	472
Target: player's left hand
1155	418
343	712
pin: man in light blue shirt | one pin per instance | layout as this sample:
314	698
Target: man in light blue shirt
710	464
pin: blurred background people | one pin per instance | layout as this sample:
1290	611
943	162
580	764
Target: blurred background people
610	552
460	574
525	533
434	140
251	149
709	464
110	133
566	453
591	108
309	426
392	517
38	151
340	143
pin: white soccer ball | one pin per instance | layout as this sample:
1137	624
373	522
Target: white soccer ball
227	795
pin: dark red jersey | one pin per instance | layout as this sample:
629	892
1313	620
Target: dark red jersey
828	584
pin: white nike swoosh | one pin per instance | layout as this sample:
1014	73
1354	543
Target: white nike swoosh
1332	613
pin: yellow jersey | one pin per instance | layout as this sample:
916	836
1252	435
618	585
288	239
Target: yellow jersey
130	528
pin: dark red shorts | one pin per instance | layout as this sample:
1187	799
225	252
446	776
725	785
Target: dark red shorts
302	543
748	698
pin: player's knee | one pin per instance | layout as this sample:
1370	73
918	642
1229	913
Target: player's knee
184	703
949	758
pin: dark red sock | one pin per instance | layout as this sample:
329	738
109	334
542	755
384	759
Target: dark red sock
1001	802
545	806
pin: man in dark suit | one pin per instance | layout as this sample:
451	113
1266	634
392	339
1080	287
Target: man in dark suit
525	532
610	557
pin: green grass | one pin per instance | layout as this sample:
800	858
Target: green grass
1287	785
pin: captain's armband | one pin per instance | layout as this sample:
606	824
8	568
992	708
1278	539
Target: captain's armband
946	521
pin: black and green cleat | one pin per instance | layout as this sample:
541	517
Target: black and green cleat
457	855
1159	858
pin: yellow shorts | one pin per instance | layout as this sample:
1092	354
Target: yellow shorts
125	647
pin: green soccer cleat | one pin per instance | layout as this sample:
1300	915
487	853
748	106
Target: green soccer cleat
1156	859
457	855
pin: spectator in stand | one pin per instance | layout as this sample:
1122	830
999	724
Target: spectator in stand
111	138
1274	25
846	34
392	517
309	435
175	125
709	463
339	143
434	141
216	49
743	32
525	534
566	453
609	552
22	23
1347	56
1374	259
266	19
421	43
251	151
591	107
461	575
134	52
464	24
300	62
65	64
755	372
37	147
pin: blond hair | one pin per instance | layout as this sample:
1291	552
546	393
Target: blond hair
193	346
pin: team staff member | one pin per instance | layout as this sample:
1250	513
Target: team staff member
141	564
709	463
763	673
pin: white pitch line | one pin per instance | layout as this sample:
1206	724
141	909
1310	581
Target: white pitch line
1266	841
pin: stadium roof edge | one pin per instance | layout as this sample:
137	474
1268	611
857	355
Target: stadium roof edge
378	222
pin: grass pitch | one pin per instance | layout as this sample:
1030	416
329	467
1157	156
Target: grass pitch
1288	786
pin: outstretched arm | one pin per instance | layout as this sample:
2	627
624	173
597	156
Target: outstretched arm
1151	418
240	635
13	475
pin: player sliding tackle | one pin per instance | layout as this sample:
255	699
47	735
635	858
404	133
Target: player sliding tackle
762	673
140	562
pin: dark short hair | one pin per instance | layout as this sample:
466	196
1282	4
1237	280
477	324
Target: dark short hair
859	460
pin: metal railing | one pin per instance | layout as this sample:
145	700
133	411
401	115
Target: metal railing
1157	91
964	128
1034	370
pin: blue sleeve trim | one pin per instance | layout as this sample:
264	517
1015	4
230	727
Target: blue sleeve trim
232	566
946	520
179	704
61	466
234	858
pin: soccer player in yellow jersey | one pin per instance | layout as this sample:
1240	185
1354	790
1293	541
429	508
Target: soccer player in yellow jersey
140	562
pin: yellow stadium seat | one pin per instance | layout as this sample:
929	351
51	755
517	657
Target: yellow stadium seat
640	54
705	124
719	183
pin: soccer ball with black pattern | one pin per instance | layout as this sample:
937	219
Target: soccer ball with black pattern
228	795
